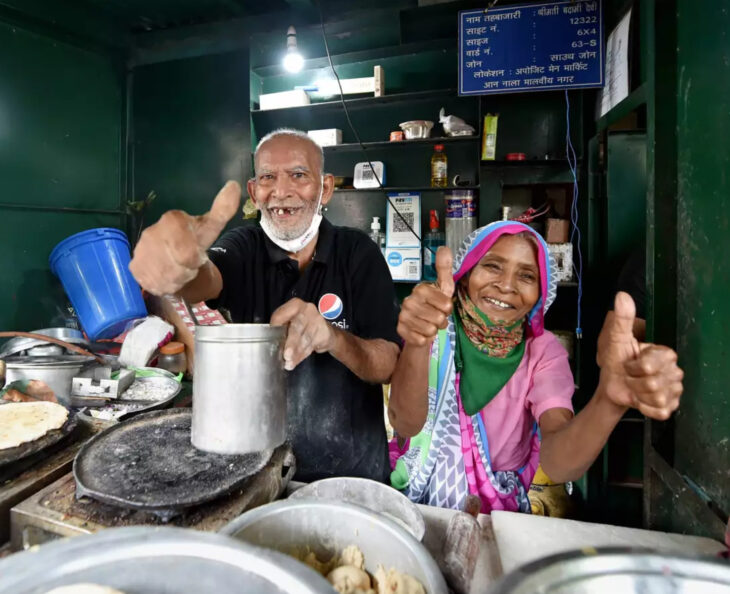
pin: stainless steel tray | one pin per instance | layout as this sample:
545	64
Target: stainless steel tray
129	410
147	560
611	570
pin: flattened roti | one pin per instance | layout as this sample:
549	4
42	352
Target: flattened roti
21	422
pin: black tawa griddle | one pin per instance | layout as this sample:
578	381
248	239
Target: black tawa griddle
148	463
15	460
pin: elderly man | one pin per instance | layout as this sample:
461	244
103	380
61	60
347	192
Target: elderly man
330	286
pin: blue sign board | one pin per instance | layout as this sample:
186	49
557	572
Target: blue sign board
531	47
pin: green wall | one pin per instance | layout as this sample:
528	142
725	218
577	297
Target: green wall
191	130
61	135
702	444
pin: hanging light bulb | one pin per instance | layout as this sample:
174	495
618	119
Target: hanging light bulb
293	61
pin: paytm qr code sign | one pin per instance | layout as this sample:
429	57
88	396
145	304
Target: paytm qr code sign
402	233
403	221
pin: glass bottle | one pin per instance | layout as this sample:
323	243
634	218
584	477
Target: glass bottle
172	357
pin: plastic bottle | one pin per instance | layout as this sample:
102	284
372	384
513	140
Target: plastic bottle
469	213
376	235
431	243
172	357
439	167
454	221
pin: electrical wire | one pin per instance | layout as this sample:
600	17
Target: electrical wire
355	133
575	235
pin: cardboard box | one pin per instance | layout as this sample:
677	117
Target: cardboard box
326	137
284	99
557	231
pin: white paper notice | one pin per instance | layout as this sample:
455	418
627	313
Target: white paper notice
616	87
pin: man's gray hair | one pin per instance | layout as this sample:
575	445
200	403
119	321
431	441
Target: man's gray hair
291	133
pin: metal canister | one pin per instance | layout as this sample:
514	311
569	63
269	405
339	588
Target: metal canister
239	388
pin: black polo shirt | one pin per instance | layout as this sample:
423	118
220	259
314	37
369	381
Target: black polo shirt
335	419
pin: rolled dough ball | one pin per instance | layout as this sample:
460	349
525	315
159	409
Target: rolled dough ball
347	579
395	582
352	555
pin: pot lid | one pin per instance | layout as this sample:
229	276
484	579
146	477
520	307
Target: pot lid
50	362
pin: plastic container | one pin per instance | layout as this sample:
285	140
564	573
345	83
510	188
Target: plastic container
454	222
431	243
439	168
460	217
93	267
172	357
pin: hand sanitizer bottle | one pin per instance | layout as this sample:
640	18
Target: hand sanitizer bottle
376	235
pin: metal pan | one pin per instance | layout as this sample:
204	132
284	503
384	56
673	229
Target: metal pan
148	463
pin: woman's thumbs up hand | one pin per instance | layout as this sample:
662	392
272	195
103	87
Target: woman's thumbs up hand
642	376
427	308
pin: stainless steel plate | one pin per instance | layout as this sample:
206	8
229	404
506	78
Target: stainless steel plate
146	560
21	343
613	570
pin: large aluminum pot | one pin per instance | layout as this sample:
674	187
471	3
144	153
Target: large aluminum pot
153	560
239	388
378	497
57	372
327	527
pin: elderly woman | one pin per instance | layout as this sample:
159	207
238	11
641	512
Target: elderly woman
479	374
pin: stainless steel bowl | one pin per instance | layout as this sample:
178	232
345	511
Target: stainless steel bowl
327	527
416	129
148	560
377	497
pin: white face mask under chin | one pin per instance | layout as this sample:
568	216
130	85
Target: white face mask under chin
296	245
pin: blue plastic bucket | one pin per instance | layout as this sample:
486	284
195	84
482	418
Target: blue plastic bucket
93	267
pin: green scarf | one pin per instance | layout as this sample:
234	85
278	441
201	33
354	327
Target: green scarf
482	375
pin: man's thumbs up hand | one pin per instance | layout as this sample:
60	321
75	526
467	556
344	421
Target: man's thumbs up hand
170	252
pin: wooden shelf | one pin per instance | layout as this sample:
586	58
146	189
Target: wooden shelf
366	101
527	163
353	146
407	189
